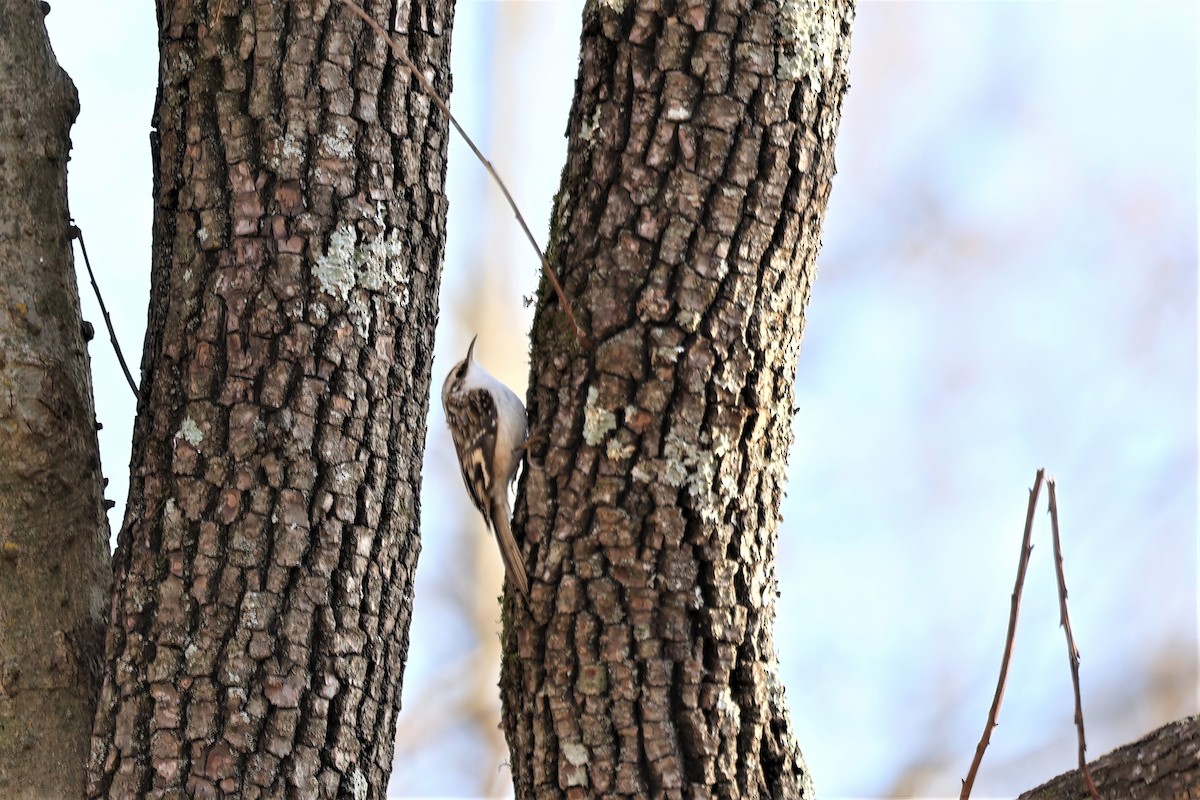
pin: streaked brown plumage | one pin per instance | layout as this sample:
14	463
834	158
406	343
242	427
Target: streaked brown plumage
488	426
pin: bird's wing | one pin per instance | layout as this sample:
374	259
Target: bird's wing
474	416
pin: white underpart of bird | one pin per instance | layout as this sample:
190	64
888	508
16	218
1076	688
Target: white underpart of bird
488	425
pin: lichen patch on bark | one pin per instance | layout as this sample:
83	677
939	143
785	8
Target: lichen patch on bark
264	570
687	228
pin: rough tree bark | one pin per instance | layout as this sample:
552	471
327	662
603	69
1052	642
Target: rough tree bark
259	624
1160	765
54	572
687	227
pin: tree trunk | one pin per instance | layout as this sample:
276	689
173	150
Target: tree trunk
687	228
54	573
259	625
1160	765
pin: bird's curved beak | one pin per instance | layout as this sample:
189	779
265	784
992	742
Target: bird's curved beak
471	349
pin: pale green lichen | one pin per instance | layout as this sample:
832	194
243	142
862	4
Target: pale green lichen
190	432
666	354
339	143
695	470
233	680
725	701
619	451
334	270
172	522
688	464
808	32
588	127
562	207
597	422
292	150
371	264
640	473
728	485
688	319
674	473
359	787
726	378
575	753
254	611
318	312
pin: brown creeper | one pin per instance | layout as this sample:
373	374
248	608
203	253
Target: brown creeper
487	423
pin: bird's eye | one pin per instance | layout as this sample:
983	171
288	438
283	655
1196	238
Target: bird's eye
461	372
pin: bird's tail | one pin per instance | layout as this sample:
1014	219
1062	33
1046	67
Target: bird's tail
514	566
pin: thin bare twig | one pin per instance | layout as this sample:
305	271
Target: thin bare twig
445	109
1072	652
76	233
1022	566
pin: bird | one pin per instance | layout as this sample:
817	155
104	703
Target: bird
488	425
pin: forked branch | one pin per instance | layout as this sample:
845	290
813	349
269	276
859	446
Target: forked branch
1022	567
1064	619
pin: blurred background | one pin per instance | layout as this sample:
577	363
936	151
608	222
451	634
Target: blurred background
1009	281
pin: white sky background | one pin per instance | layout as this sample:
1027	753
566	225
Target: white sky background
1009	280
